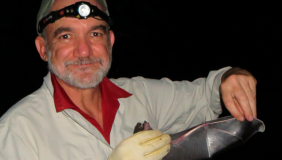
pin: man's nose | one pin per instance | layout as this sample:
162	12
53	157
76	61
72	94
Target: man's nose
83	48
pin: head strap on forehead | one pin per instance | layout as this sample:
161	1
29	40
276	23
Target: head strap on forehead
80	10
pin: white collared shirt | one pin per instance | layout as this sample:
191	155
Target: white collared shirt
33	130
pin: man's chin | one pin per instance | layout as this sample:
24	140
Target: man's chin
82	79
83	83
84	75
85	80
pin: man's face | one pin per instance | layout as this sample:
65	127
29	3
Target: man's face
79	51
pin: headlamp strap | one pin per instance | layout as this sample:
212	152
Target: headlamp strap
73	11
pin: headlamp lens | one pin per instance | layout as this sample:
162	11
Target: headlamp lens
84	10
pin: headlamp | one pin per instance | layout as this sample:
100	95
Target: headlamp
80	10
83	10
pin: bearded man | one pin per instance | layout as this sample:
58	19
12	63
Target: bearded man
79	114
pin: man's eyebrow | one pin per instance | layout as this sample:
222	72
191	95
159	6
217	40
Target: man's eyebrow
60	30
100	27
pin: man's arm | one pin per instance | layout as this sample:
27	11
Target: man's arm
238	89
173	106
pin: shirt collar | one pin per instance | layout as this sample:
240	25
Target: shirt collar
109	91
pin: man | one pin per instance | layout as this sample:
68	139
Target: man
79	114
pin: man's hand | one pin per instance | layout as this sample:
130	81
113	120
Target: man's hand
238	89
144	145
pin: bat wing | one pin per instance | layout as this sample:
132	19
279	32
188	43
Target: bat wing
212	138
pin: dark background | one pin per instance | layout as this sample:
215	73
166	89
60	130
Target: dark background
181	40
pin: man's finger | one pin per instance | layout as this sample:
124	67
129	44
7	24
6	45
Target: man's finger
159	153
252	100
158	145
250	93
238	106
252	85
228	100
243	100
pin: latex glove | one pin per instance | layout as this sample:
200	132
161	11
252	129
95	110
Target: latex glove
144	145
238	89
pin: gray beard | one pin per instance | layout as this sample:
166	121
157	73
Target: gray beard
75	81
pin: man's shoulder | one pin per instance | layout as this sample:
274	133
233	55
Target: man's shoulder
139	80
122	80
143	86
27	107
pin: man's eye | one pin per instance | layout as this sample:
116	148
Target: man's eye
65	36
96	34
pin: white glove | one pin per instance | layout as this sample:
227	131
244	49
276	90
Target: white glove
144	145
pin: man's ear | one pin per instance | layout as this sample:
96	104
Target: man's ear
112	38
40	45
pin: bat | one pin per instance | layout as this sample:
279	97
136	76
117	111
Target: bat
209	139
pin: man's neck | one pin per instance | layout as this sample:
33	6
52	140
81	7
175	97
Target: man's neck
88	100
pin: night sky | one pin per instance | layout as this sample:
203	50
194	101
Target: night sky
181	40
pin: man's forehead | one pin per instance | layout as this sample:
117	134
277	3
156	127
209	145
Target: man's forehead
76	25
59	4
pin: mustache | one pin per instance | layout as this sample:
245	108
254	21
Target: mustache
84	60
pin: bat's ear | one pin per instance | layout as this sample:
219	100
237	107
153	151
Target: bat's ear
138	128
